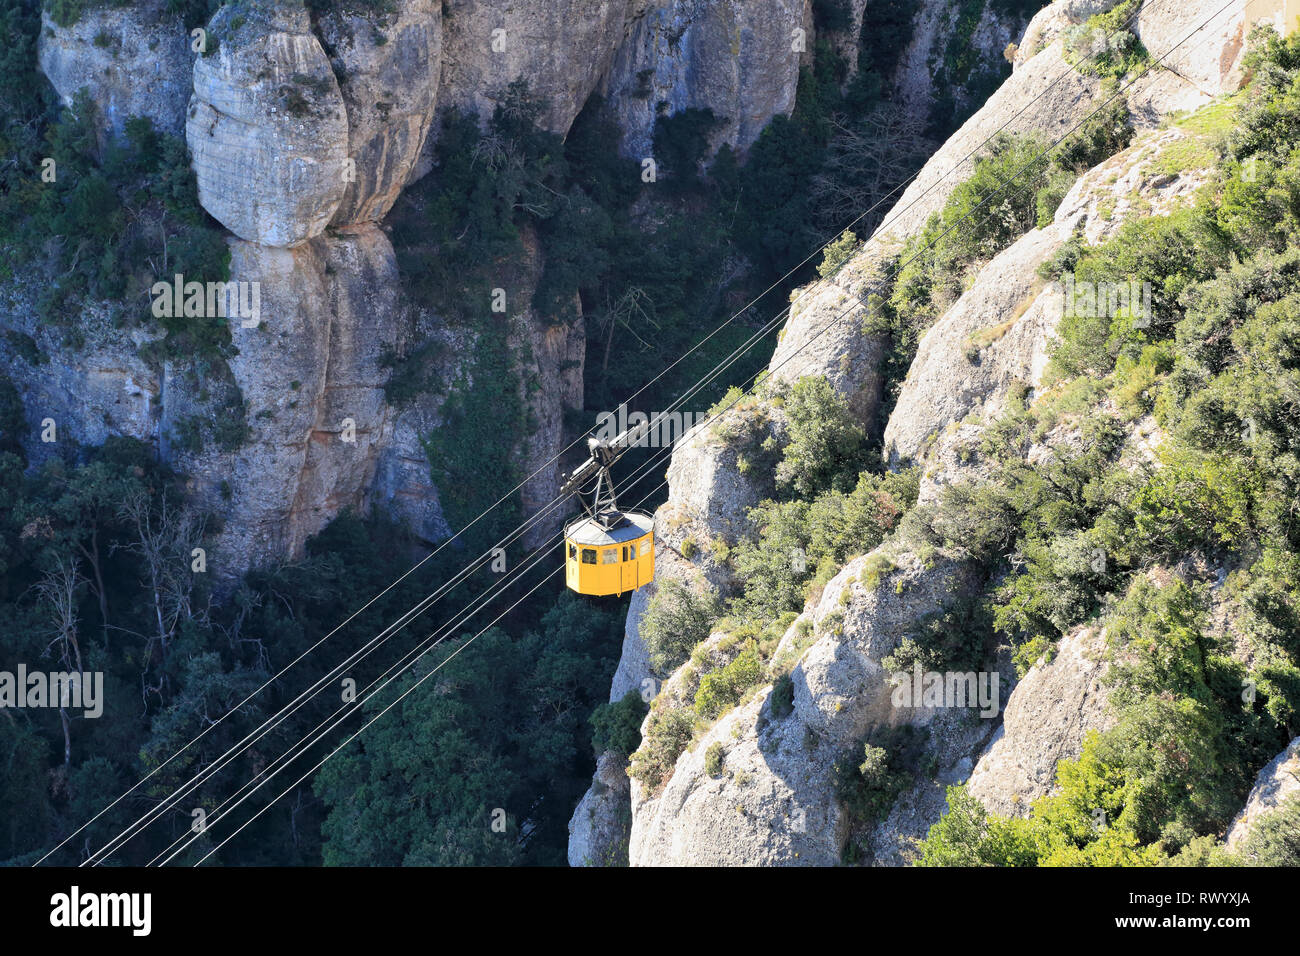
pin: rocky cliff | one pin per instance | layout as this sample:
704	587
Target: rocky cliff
131	61
772	798
1276	784
739	60
304	126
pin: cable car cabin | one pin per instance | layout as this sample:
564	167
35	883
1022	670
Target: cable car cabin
610	551
602	561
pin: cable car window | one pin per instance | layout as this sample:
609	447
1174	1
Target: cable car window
645	547
609	556
573	552
588	555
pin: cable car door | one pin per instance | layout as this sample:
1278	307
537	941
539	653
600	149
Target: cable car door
571	567
628	567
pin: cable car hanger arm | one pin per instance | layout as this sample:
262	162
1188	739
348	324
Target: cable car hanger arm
603	454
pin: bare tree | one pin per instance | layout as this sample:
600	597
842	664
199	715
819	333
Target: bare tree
867	160
165	538
58	589
245	602
629	310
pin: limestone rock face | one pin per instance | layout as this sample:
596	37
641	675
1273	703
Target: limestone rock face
828	332
845	42
708	498
738	58
956	369
560	47
1043	95
918	78
841	688
1045	721
551	357
771	806
997	334
838	336
1210	57
710	491
132	60
267	128
1028	102
402	478
1139	181
312	382
598	829
352	423
1274	785
388	67
1052	21
774	802
98	390
955	737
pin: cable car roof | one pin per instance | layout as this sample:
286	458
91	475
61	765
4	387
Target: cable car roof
587	531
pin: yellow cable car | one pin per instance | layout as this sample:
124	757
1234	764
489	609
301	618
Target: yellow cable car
607	551
602	560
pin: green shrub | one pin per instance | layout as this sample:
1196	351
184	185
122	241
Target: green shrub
1084	824
798	545
675	620
874	569
1048	198
868	782
781	702
1195	501
1101	136
723	688
956	638
1171	253
966	835
133	208
617	727
827	446
713	758
1104	45
1183	738
837	253
67	12
667	734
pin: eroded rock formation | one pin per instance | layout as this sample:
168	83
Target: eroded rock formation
1045	721
267	128
738	59
774	800
131	61
1276	784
